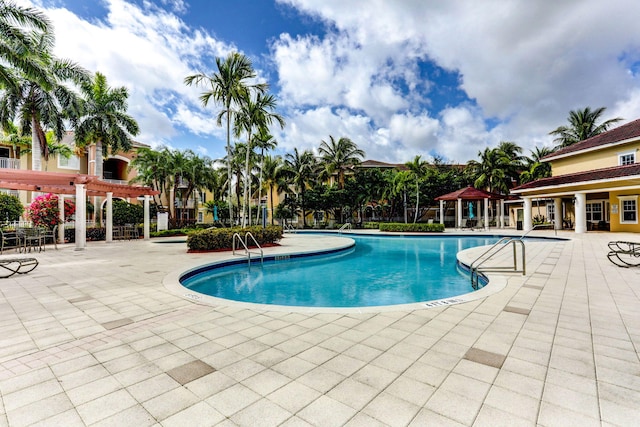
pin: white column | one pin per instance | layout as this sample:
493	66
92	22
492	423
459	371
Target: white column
61	217
557	212
486	214
109	220
441	211
501	215
581	212
146	217
459	213
81	217
528	222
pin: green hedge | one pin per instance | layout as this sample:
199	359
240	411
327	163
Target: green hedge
221	238
417	227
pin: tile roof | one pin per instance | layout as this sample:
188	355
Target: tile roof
591	175
470	193
621	133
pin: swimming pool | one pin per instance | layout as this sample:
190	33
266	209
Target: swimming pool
377	271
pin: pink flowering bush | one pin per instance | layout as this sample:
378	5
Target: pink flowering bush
44	211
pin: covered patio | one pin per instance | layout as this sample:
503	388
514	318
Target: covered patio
80	186
472	195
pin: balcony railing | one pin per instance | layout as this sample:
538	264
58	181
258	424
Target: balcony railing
7	163
116	181
10	192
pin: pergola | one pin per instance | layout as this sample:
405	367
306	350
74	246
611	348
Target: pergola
80	186
471	194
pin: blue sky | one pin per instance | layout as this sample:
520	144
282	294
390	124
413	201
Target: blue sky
399	78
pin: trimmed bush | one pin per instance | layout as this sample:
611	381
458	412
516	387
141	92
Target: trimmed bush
371	225
405	228
10	208
221	238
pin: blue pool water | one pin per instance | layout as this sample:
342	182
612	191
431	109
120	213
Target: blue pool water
379	270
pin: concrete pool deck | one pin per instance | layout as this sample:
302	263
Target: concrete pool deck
94	337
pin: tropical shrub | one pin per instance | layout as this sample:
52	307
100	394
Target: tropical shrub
10	208
44	211
222	238
417	227
127	213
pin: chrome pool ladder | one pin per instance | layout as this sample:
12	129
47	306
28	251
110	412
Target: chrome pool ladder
345	226
477	265
245	245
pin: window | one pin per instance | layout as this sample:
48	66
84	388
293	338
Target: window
627	158
200	217
628	209
202	197
594	211
73	162
551	212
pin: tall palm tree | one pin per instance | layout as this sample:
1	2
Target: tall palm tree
226	87
336	156
18	45
418	169
154	170
264	141
535	167
302	168
491	171
582	125
41	104
104	120
255	113
272	170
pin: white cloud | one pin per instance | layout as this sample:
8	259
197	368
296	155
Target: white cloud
525	63
150	51
522	65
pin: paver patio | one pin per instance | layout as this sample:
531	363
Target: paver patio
93	337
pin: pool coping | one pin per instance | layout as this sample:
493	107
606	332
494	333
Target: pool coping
496	282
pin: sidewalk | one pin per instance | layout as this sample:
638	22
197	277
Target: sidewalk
93	337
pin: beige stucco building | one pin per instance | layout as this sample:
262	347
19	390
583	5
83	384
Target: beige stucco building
595	181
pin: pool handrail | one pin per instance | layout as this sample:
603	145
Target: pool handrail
244	243
344	227
474	269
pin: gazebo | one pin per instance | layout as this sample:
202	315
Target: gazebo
471	195
79	185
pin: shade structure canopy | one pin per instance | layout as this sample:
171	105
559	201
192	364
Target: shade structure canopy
64	183
80	186
470	193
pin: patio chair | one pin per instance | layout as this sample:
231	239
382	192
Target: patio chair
46	234
624	254
10	240
9	267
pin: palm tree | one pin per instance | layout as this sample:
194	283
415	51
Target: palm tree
400	182
336	156
301	167
418	169
582	125
272	170
535	167
255	112
265	141
226	87
154	170
44	103
491	171
104	120
18	45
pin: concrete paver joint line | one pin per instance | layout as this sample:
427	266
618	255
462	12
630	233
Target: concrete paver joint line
84	343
